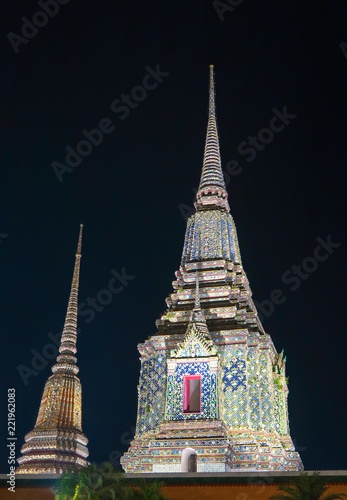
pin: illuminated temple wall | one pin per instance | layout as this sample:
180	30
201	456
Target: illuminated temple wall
249	392
207	369
241	388
152	393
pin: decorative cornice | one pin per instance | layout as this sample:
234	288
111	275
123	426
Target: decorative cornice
194	336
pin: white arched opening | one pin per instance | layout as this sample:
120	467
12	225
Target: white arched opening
187	464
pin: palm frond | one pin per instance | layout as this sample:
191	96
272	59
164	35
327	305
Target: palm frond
335	496
281	496
306	487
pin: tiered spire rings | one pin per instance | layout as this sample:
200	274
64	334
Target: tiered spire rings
212	191
66	361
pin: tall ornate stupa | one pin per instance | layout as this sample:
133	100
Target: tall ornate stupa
57	443
212	395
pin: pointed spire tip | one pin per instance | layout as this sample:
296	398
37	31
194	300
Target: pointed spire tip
79	245
212	190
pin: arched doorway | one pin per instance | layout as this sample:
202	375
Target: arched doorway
189	460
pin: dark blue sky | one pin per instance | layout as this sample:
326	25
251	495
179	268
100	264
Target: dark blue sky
130	189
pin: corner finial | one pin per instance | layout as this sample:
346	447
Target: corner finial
197	317
197	292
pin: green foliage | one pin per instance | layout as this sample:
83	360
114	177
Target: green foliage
148	491
93	483
66	488
105	483
306	487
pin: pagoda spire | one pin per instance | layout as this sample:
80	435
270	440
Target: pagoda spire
66	360
56	443
211	380
212	191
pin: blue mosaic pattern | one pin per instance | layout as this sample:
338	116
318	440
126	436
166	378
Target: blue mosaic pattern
228	244
242	393
277	416
174	410
210	235
152	393
234	375
265	379
253	389
280	411
234	389
213	399
187	246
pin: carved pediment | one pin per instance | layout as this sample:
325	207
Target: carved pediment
194	345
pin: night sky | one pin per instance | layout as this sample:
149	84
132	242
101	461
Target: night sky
134	189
